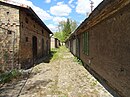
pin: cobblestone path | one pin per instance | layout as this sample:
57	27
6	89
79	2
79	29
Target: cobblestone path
61	77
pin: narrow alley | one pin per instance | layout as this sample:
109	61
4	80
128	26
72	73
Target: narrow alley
42	45
63	76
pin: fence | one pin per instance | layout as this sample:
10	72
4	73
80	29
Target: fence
7	50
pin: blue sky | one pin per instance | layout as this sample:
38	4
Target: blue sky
53	11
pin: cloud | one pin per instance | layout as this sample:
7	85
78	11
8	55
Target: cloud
48	1
40	12
70	3
60	9
97	2
83	6
56	20
52	27
59	19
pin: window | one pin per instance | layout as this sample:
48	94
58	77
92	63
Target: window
26	39
86	43
42	31
26	20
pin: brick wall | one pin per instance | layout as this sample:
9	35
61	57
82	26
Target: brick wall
25	27
9	20
109	50
30	28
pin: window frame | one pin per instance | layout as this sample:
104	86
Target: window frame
86	43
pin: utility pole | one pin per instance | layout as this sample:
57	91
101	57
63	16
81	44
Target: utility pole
91	3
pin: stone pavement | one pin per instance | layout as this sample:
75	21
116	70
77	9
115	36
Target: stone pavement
61	77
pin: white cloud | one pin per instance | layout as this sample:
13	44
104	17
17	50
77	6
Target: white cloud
40	12
56	20
70	3
52	27
48	1
60	9
83	6
97	2
59	19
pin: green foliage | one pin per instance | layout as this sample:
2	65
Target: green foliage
55	55
73	25
8	76
65	29
58	55
94	83
78	60
59	36
61	25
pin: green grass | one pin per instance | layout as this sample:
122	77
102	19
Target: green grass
54	53
78	60
8	76
94	83
59	53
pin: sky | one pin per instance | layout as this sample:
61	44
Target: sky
52	12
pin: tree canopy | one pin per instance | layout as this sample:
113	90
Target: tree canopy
65	29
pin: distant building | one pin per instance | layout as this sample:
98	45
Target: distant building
30	35
55	43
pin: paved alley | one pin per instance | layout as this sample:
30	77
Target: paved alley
61	77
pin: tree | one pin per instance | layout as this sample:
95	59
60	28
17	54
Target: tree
73	25
59	36
61	25
65	29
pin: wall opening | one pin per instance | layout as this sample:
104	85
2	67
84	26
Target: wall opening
42	47
78	47
34	47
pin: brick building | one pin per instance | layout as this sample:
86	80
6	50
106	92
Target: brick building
102	42
55	43
31	37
